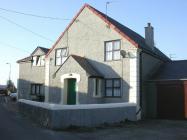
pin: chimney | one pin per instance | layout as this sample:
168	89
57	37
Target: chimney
149	36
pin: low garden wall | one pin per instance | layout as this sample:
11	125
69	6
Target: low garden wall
85	115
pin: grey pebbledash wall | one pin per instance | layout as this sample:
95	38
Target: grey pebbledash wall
59	117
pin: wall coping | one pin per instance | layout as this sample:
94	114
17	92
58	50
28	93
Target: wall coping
51	106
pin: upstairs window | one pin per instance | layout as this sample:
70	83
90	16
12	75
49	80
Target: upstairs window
38	60
112	87
112	50
60	56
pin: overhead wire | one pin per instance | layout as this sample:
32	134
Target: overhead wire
26	29
10	46
33	15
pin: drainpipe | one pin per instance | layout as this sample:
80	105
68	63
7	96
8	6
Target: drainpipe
140	75
122	76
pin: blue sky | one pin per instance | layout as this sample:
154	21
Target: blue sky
167	16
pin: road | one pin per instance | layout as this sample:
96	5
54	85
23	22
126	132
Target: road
14	126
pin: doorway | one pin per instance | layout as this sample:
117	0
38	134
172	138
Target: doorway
71	91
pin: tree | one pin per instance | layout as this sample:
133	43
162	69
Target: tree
11	87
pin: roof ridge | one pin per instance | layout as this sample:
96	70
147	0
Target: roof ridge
42	47
97	12
126	33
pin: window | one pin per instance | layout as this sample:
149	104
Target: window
112	50
38	60
97	87
112	87
61	55
37	89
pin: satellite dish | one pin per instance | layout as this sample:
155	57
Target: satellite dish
123	53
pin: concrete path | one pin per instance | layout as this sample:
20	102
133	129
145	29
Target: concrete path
16	127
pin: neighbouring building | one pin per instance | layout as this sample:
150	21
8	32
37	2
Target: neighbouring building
96	60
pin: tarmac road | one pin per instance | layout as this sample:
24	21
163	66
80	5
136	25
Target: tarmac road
14	126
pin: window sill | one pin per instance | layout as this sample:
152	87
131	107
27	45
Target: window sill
112	96
112	60
98	96
38	66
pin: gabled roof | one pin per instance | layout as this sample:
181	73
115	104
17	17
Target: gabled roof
44	50
136	39
174	70
26	59
29	58
83	62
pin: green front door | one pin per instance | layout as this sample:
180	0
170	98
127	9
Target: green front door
71	92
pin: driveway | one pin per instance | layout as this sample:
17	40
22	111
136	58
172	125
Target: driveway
14	126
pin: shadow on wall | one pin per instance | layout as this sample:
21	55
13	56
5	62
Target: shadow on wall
108	72
24	88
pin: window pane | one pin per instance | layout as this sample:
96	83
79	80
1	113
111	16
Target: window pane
58	61
116	83
109	92
116	91
108	83
38	61
34	61
116	55
116	45
108	55
63	59
109	46
64	52
42	90
37	89
33	89
58	53
42	60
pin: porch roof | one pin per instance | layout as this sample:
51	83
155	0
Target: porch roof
87	66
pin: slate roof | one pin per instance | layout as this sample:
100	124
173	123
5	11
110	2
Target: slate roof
45	50
134	36
26	59
129	34
83	62
29	58
174	70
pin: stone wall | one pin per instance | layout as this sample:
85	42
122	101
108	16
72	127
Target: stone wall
63	116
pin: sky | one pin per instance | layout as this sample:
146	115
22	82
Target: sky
168	17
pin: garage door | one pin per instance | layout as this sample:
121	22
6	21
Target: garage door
170	100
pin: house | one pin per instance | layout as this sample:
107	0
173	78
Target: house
32	75
96	60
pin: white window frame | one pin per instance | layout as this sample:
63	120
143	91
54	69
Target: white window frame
62	57
38	60
97	87
113	50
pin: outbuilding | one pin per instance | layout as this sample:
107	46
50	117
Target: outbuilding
171	90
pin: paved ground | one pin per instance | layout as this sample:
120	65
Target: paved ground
13	126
